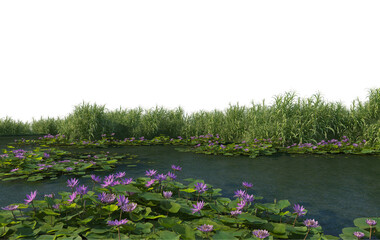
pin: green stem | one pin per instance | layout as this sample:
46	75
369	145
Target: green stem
308	230
118	231
294	223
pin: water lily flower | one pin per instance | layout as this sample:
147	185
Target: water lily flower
117	222
126	181
49	195
248	198
10	207
72	197
119	174
46	155
114	183
56	206
108	181
31	197
176	168
200	187
95	179
260	233
371	222
122	200
150	172
72	182
197	207
167	194
150	182
311	223
299	210
82	190
358	234
129	207
171	175
161	177
69	169
106	197
205	228
14	170
240	193
247	184
235	213
241	205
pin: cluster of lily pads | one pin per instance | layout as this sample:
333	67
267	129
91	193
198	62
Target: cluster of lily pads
39	163
157	206
214	144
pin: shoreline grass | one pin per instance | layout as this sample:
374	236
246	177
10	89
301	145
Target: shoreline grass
291	118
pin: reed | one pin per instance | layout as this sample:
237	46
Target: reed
294	119
8	126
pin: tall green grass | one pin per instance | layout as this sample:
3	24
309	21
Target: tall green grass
291	118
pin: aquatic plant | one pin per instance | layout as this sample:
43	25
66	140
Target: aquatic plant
141	212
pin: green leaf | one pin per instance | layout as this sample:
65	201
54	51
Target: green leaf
111	207
35	178
167	235
169	222
252	218
148	196
85	221
50	212
223	235
170	206
185	230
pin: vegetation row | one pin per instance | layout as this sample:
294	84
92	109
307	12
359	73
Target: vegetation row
289	118
157	206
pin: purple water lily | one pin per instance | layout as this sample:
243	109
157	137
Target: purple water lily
31	197
358	234
172	175
150	182
122	200
299	210
71	183
200	187
161	177
260	233
235	213
10	207
205	228
150	172
119	174
117	222
311	223
82	190
106	197
240	193
176	168
95	178
126	181
248	198
129	207
241	205
371	222
167	194
72	197
197	207
247	184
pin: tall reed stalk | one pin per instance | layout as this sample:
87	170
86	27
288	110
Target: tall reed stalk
294	119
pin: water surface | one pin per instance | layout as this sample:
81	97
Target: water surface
335	189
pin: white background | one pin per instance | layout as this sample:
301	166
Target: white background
194	54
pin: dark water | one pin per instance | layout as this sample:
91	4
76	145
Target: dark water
334	189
